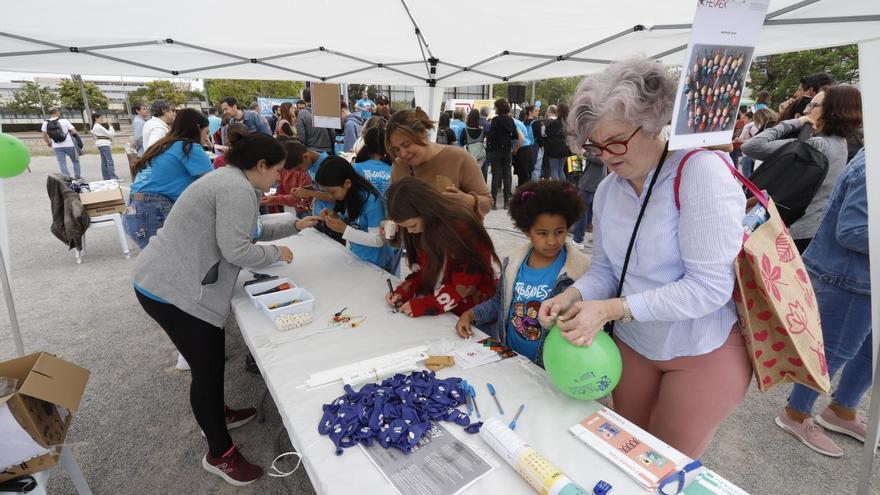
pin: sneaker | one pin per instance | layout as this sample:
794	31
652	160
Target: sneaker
236	418
856	428
579	246
232	467
182	365
810	434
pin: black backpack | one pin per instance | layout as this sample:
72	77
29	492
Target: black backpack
55	132
792	175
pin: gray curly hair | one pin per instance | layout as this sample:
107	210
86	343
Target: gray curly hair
637	90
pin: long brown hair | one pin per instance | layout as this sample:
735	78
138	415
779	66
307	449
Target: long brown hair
451	229
288	115
413	123
187	127
841	111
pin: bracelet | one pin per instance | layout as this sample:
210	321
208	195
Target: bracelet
627	314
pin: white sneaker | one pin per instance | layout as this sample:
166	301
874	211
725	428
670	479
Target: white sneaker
182	365
579	246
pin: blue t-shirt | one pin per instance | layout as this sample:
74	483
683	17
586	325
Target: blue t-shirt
372	214
457	126
377	172
173	171
214	123
525	132
531	287
319	204
365	103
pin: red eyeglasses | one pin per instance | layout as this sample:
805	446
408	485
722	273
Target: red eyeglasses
615	148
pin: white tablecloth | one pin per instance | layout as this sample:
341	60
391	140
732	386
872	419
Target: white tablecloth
337	279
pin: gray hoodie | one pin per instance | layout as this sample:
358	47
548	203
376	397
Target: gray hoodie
194	259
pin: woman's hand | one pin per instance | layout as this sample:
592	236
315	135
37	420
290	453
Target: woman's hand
392	299
286	254
307	222
301	192
456	193
553	307
583	320
806	119
333	222
463	326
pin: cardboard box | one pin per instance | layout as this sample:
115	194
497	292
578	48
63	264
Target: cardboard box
48	390
103	202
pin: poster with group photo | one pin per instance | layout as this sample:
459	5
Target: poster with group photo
714	71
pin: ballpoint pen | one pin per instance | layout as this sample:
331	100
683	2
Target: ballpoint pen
519	411
473	394
492	393
467	396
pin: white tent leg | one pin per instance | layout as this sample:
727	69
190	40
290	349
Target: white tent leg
4	273
429	99
869	74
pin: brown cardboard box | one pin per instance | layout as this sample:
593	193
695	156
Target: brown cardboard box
48	389
103	202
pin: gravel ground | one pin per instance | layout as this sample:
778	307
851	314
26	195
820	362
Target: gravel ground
134	432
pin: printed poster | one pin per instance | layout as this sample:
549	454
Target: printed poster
720	51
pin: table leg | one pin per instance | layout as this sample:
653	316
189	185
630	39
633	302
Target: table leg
261	407
76	477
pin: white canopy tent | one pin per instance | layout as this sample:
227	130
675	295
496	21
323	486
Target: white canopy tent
420	44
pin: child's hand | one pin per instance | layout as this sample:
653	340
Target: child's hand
301	192
286	254
463	326
392	299
334	223
307	222
406	309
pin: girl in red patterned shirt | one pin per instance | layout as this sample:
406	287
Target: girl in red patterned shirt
448	250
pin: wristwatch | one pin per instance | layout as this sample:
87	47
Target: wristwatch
627	314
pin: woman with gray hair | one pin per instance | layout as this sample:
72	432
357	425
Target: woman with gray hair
685	364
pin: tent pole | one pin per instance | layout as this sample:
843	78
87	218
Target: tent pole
869	74
87	111
10	304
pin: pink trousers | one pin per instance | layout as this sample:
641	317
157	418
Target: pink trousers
683	400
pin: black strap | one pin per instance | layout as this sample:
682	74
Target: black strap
609	327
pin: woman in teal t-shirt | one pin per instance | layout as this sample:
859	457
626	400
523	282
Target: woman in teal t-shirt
167	168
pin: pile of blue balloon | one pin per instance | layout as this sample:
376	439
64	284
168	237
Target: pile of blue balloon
14	156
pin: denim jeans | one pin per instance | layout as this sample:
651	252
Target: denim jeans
748	165
580	228
557	168
539	158
500	161
846	327
108	168
145	216
61	153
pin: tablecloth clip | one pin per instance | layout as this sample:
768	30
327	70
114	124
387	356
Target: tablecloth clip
281	474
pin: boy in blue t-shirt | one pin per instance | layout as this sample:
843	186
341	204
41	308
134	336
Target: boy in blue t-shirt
542	268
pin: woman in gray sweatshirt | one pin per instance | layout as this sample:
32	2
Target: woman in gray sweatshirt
835	113
184	280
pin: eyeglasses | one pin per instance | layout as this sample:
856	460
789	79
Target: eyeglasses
811	106
615	148
674	483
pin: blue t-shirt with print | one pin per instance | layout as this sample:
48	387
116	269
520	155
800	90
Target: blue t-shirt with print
173	171
377	172
372	214
531	287
525	132
319	204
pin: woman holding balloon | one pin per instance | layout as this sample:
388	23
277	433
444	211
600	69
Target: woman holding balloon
685	364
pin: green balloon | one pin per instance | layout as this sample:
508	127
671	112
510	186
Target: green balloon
14	156
585	373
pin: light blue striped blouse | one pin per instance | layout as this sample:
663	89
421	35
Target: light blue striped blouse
679	284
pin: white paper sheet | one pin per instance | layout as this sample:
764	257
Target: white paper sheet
16	446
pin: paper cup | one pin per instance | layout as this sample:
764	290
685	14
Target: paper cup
390	228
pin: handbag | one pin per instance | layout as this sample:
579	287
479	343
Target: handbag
775	301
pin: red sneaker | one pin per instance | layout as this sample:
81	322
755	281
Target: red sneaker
232	467
236	418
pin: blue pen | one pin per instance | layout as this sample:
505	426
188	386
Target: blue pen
516	416
492	393
467	395
473	394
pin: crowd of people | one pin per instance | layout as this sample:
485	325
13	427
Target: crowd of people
598	164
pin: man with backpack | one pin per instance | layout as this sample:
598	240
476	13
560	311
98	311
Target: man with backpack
58	134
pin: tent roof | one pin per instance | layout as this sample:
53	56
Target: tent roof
496	40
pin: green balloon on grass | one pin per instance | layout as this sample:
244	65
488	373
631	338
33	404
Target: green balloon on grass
14	156
585	373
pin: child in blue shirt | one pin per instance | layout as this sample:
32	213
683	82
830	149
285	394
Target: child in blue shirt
359	213
540	269
377	169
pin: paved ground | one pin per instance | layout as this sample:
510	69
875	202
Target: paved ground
134	432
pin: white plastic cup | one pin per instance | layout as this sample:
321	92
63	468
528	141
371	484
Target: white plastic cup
390	228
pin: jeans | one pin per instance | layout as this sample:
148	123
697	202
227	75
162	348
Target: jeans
539	159
748	165
70	151
580	228
557	168
145	216
846	328
500	160
108	168
204	348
